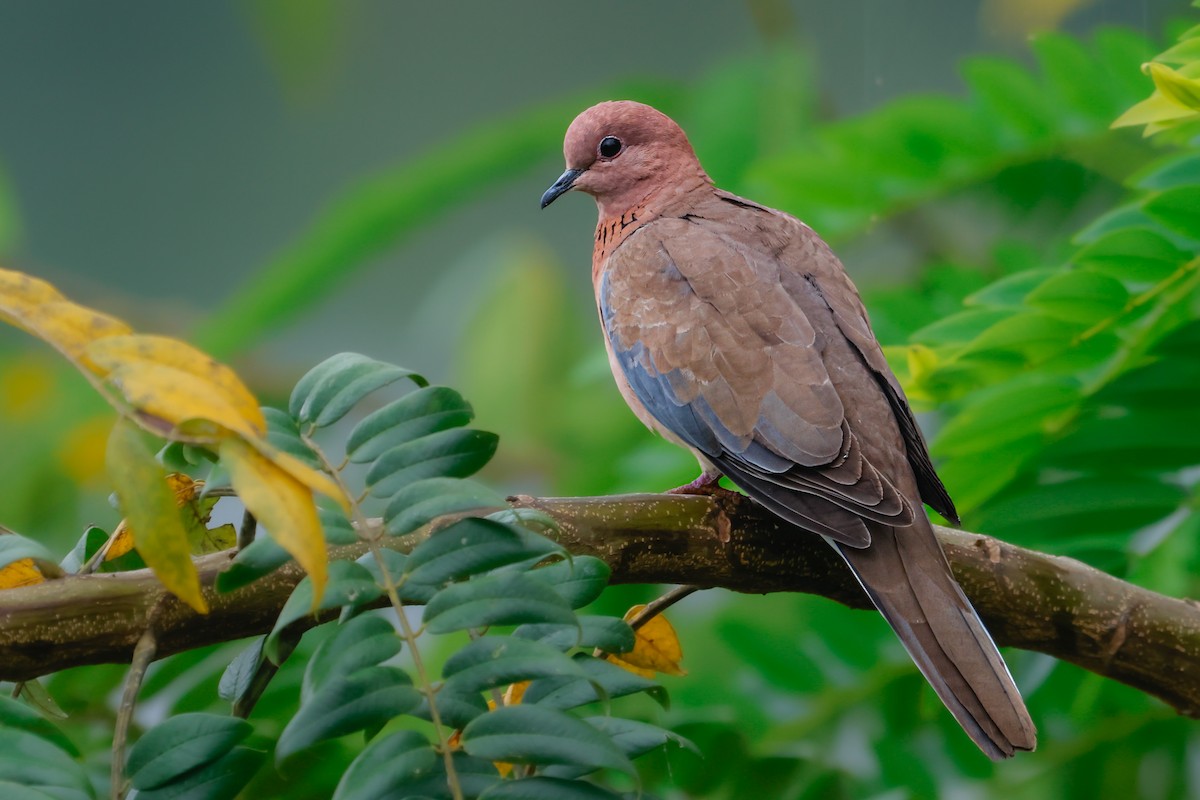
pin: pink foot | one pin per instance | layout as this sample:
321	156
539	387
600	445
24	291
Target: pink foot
707	483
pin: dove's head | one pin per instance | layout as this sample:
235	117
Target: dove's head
621	153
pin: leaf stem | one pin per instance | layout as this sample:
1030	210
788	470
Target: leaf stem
371	539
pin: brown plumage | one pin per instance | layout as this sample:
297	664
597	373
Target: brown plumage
734	331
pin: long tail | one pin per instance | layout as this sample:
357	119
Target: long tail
906	575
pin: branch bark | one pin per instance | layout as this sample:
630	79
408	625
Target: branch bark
1028	600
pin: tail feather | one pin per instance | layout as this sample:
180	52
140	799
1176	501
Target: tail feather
907	577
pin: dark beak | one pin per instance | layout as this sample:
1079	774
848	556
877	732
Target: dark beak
561	186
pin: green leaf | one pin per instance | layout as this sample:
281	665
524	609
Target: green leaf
1178	209
1181	343
92	540
362	641
38	698
1131	215
1091	505
475	776
337	527
637	738
261	557
544	788
472	546
1162	441
237	676
579	580
427	410
283	432
1005	413
1034	336
975	478
604	680
960	327
224	777
531	519
16	715
395	562
365	699
1012	95
330	389
1162	385
492	661
1008	292
181	744
526	734
29	760
1071	73
419	503
14	547
349	584
455	453
1133	254
1080	295
497	599
611	634
455	709
387	767
1182	169
16	791
632	737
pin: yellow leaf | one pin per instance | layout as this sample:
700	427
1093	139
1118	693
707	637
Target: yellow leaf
120	541
152	511
1157	113
168	397
515	693
39	308
195	515
281	503
922	361
656	648
1176	86
21	291
69	328
628	667
214	540
1154	108
314	479
22	572
114	351
173	387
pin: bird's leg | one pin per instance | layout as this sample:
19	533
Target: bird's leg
707	484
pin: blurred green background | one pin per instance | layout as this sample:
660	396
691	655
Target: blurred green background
278	181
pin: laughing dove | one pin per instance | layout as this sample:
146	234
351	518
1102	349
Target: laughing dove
734	331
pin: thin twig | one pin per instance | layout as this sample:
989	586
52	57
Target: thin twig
143	654
661	604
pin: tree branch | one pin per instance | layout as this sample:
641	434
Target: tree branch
1029	600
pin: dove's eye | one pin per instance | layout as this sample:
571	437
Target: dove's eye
609	146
